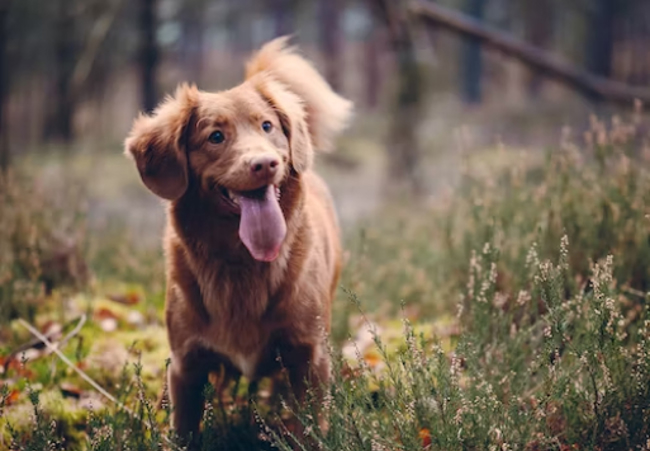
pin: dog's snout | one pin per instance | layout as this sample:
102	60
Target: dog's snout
265	166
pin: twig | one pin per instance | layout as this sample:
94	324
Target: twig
74	331
67	338
52	347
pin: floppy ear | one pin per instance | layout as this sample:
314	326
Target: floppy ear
157	143
327	113
291	112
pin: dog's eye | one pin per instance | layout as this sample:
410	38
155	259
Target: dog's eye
267	126
217	137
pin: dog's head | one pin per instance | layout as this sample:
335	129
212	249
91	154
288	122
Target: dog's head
239	146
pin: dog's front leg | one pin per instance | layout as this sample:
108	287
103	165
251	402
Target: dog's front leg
186	393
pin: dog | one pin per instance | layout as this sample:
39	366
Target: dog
252	243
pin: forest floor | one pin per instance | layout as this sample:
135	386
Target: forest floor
506	310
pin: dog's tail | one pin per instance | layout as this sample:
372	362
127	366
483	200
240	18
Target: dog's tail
327	112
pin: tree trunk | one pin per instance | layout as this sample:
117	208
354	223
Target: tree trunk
403	147
600	44
472	62
373	77
148	54
539	32
192	41
331	40
405	152
59	123
282	11
4	79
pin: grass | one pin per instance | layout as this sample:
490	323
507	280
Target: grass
522	306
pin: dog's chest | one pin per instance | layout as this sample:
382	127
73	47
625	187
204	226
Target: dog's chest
236	303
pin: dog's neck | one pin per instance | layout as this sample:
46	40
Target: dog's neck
220	261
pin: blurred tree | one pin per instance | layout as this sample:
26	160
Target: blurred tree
239	24
148	54
600	42
60	114
4	75
282	11
403	149
191	16
472	63
372	70
539	22
331	39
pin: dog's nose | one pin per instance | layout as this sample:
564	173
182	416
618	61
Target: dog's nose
265	166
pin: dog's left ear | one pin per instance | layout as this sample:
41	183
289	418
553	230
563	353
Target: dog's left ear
291	113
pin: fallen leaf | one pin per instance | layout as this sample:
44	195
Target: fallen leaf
104	313
107	319
12	397
425	436
373	358
128	298
69	390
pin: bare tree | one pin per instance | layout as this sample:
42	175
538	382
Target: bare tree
538	16
283	17
600	44
330	11
192	39
472	62
59	120
148	54
4	72
403	148
372	70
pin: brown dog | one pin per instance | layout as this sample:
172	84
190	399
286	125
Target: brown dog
252	242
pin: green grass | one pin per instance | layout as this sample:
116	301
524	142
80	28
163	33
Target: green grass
512	313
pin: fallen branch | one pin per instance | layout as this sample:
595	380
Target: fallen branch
541	60
52	347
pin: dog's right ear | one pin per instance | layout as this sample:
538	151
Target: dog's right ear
158	142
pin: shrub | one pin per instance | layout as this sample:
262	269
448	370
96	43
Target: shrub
546	267
40	239
575	377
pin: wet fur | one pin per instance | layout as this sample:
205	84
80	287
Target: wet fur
223	308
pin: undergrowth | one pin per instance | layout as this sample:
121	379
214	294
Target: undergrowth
546	270
41	239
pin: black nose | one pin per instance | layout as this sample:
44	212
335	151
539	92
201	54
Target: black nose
264	166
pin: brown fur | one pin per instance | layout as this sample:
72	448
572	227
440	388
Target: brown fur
224	307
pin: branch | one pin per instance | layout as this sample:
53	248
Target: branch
543	61
52	347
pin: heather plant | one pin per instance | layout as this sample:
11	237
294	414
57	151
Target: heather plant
40	244
541	272
592	188
574	376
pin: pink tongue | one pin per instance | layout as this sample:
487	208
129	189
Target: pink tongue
262	228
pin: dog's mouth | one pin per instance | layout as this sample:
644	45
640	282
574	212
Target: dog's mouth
232	198
262	227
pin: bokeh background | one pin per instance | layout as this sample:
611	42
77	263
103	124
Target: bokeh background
492	140
74	74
